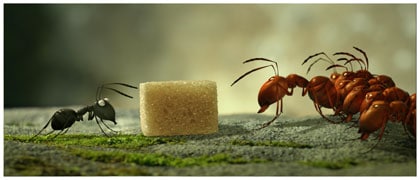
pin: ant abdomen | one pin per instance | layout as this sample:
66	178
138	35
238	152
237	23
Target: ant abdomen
63	118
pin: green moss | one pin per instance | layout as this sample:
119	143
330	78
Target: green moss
340	164
118	141
155	159
122	150
33	166
270	143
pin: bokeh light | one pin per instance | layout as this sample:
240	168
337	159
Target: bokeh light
56	55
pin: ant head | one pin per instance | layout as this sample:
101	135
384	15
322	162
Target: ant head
413	98
334	76
385	80
395	94
104	110
348	75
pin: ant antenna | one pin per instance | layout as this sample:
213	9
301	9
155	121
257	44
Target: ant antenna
276	69
319	59
360	61
364	54
337	65
353	58
373	147
103	86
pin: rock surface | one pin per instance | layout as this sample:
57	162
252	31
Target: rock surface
290	146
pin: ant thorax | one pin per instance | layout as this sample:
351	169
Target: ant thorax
364	74
348	75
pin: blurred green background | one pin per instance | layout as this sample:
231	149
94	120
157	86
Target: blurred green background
56	55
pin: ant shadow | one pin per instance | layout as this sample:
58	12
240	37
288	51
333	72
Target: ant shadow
395	140
230	125
313	123
225	130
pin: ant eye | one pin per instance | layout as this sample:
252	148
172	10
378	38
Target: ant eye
101	102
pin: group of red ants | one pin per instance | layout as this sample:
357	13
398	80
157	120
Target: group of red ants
375	97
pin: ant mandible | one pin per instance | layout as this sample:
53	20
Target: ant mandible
275	88
101	110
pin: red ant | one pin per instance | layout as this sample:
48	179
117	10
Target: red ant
393	104
353	86
375	97
275	88
410	121
321	89
344	92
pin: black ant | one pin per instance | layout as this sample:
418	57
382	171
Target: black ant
101	110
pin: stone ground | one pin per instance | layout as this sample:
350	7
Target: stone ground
329	149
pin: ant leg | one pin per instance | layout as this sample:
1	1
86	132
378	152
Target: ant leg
382	130
406	131
108	126
97	122
318	108
50	133
268	123
354	125
304	91
66	130
46	125
373	147
61	132
275	117
379	137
